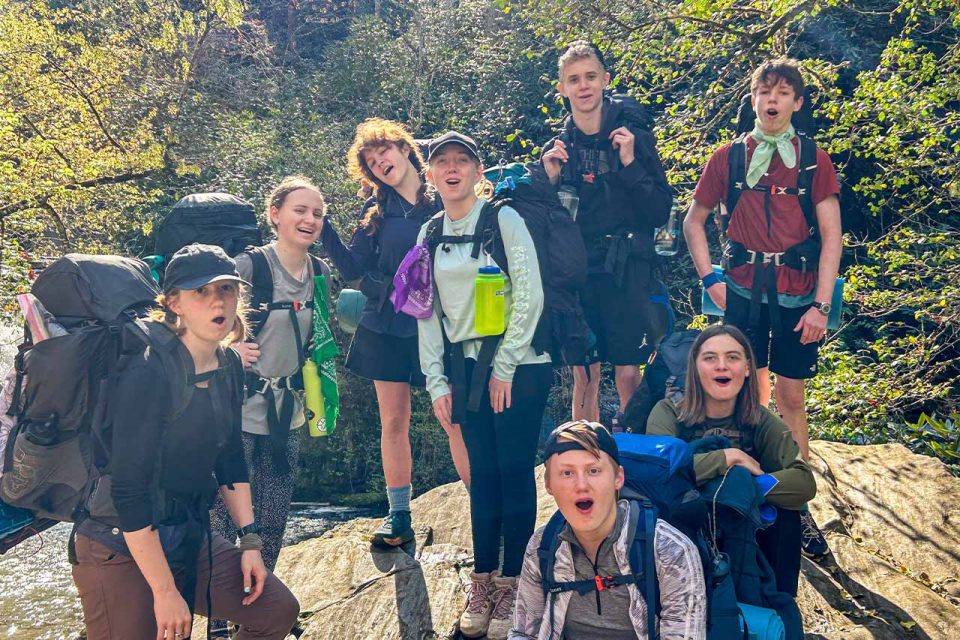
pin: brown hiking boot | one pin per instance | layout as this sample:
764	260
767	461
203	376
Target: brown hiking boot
504	599
476	617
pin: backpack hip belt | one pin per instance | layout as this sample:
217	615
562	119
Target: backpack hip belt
802	257
278	423
256	384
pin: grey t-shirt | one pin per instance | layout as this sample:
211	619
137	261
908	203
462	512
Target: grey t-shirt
609	616
278	346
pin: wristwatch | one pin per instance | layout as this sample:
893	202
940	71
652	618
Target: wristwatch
822	307
250	528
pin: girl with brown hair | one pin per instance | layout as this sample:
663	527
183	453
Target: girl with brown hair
384	348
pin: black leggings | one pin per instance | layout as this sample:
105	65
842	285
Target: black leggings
502	448
780	544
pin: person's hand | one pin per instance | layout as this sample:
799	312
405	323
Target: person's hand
254	575
443	409
499	394
813	325
622	139
736	457
718	293
554	159
172	614
249	352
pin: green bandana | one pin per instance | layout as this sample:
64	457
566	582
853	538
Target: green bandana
324	354
763	154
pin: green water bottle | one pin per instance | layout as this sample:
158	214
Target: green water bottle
313	398
490	315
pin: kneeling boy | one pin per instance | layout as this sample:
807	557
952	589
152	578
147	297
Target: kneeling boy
583	474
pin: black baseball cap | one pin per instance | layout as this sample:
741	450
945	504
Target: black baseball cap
606	442
453	137
198	264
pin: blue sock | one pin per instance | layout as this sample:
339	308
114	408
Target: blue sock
399	497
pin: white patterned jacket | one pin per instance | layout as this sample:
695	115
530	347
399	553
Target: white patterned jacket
683	603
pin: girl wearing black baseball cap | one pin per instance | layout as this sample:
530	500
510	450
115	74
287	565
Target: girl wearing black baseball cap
145	578
495	395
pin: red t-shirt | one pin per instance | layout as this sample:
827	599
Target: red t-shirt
748	224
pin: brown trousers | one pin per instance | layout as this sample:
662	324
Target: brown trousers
118	604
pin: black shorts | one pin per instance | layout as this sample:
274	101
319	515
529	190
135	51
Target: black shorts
624	320
784	354
379	356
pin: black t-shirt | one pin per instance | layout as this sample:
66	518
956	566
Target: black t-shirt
198	452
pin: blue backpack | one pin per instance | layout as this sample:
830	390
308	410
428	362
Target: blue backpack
659	483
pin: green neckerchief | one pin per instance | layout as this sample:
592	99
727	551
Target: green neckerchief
324	354
766	146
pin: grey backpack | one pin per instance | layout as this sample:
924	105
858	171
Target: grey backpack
56	461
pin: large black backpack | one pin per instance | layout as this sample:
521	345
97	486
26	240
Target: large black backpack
219	219
562	330
58	451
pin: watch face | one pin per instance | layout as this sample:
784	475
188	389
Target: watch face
823	307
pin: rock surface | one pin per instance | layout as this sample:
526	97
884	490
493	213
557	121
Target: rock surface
892	519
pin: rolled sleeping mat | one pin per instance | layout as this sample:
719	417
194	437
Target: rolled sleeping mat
762	624
349	306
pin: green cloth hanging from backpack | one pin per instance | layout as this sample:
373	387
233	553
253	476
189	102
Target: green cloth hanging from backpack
324	354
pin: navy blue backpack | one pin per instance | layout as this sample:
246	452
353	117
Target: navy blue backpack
659	483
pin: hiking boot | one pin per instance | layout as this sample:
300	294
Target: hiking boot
220	629
504	599
394	531
812	542
476	617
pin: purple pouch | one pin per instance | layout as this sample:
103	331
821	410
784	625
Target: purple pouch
413	284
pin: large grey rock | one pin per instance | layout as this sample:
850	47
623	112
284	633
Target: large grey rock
893	525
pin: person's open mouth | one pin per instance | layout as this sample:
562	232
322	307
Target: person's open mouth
219	320
307	231
452	182
722	381
387	170
584	506
773	113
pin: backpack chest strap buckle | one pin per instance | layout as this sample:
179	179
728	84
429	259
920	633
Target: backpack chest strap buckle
604	582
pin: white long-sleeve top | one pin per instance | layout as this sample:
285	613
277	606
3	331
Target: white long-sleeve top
454	272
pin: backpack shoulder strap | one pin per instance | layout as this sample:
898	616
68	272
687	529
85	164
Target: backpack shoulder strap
547	551
262	294
487	235
642	528
434	233
808	167
736	177
317	267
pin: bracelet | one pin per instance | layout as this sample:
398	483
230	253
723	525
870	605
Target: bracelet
710	279
251	542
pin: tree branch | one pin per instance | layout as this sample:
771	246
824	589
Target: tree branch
40	200
57	220
87	99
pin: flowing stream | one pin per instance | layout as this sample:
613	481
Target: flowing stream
38	600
